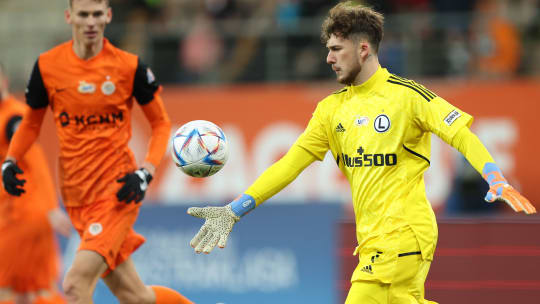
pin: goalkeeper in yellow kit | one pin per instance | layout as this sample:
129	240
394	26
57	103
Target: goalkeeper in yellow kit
378	130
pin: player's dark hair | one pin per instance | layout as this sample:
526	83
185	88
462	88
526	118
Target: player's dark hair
106	2
350	20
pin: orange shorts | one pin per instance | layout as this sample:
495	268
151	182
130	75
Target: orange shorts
106	227
29	259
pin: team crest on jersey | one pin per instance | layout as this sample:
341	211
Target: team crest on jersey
361	121
381	123
86	87
95	228
108	87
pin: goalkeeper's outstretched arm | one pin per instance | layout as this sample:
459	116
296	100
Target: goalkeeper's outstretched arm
476	153
220	220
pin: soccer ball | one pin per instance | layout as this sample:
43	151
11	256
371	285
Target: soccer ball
199	148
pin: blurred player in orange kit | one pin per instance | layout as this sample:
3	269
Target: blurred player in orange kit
29	259
90	86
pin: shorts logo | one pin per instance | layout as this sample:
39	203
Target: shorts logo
361	121
86	87
95	228
450	118
381	123
108	87
368	268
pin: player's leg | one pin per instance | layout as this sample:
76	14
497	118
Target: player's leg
23	298
81	279
6	295
411	272
367	292
127	286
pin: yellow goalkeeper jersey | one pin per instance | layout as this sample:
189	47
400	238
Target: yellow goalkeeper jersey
379	135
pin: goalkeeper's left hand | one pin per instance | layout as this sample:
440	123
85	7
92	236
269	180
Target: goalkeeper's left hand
500	190
135	186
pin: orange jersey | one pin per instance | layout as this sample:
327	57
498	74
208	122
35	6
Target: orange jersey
40	195
91	102
28	248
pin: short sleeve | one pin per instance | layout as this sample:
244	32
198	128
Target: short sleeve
12	125
314	138
144	84
36	93
440	117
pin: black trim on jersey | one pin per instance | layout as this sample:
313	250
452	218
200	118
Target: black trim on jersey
12	125
417	154
415	84
411	87
36	93
337	160
144	87
409	253
341	91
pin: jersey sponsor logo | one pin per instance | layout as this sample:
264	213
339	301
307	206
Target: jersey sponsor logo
369	160
88	120
340	128
86	87
361	121
95	228
381	123
453	116
108	87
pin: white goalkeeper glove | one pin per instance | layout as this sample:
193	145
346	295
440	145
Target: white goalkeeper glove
219	222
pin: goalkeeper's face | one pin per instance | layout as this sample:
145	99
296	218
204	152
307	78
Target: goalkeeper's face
344	58
88	19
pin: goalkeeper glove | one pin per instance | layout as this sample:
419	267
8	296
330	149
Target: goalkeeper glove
219	222
135	185
12	184
500	190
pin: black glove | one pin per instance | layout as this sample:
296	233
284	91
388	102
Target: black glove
135	185
9	177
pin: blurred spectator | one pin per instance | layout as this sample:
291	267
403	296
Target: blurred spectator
468	190
392	53
531	47
458	54
495	41
201	49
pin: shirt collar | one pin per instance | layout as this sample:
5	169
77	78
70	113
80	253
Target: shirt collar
379	76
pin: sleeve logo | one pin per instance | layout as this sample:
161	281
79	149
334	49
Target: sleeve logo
453	116
150	76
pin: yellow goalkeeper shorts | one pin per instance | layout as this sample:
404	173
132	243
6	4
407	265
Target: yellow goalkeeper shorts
389	274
